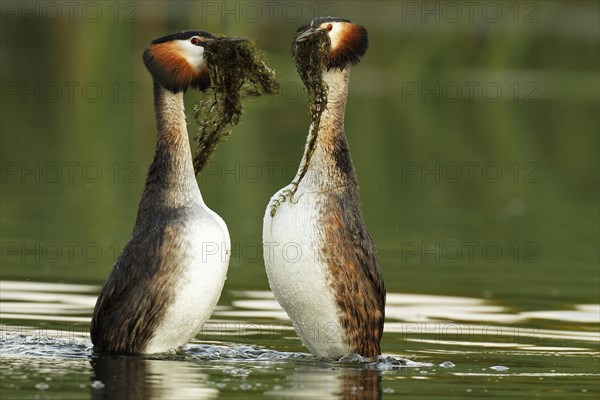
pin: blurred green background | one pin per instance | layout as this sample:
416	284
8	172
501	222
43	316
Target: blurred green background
473	128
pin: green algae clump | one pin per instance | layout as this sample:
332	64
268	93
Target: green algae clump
311	57
237	71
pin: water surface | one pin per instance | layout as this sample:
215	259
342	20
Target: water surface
432	344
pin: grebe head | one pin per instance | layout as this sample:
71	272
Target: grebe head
349	41
177	62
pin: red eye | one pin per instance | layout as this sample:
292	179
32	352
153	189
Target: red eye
195	40
329	27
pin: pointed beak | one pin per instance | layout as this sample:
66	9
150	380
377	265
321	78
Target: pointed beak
304	36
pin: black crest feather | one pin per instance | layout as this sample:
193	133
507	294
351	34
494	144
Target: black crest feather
183	35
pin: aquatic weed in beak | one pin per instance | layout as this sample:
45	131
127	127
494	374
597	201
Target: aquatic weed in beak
311	56
237	71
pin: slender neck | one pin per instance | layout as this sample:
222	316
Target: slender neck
171	182
330	165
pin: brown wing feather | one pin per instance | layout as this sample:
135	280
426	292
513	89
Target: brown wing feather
138	291
356	275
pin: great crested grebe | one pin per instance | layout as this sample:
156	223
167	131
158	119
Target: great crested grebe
165	284
333	290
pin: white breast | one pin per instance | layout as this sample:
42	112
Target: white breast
199	287
297	275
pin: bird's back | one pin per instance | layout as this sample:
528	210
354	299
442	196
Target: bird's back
164	285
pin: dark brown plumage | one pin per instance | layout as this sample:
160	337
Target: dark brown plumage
351	257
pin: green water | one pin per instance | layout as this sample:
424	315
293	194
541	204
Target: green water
475	140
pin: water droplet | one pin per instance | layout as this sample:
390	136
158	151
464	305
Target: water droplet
447	364
499	368
42	386
388	390
245	386
97	385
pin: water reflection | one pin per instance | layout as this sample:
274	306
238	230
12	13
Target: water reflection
44	301
420	308
586	313
334	383
133	377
